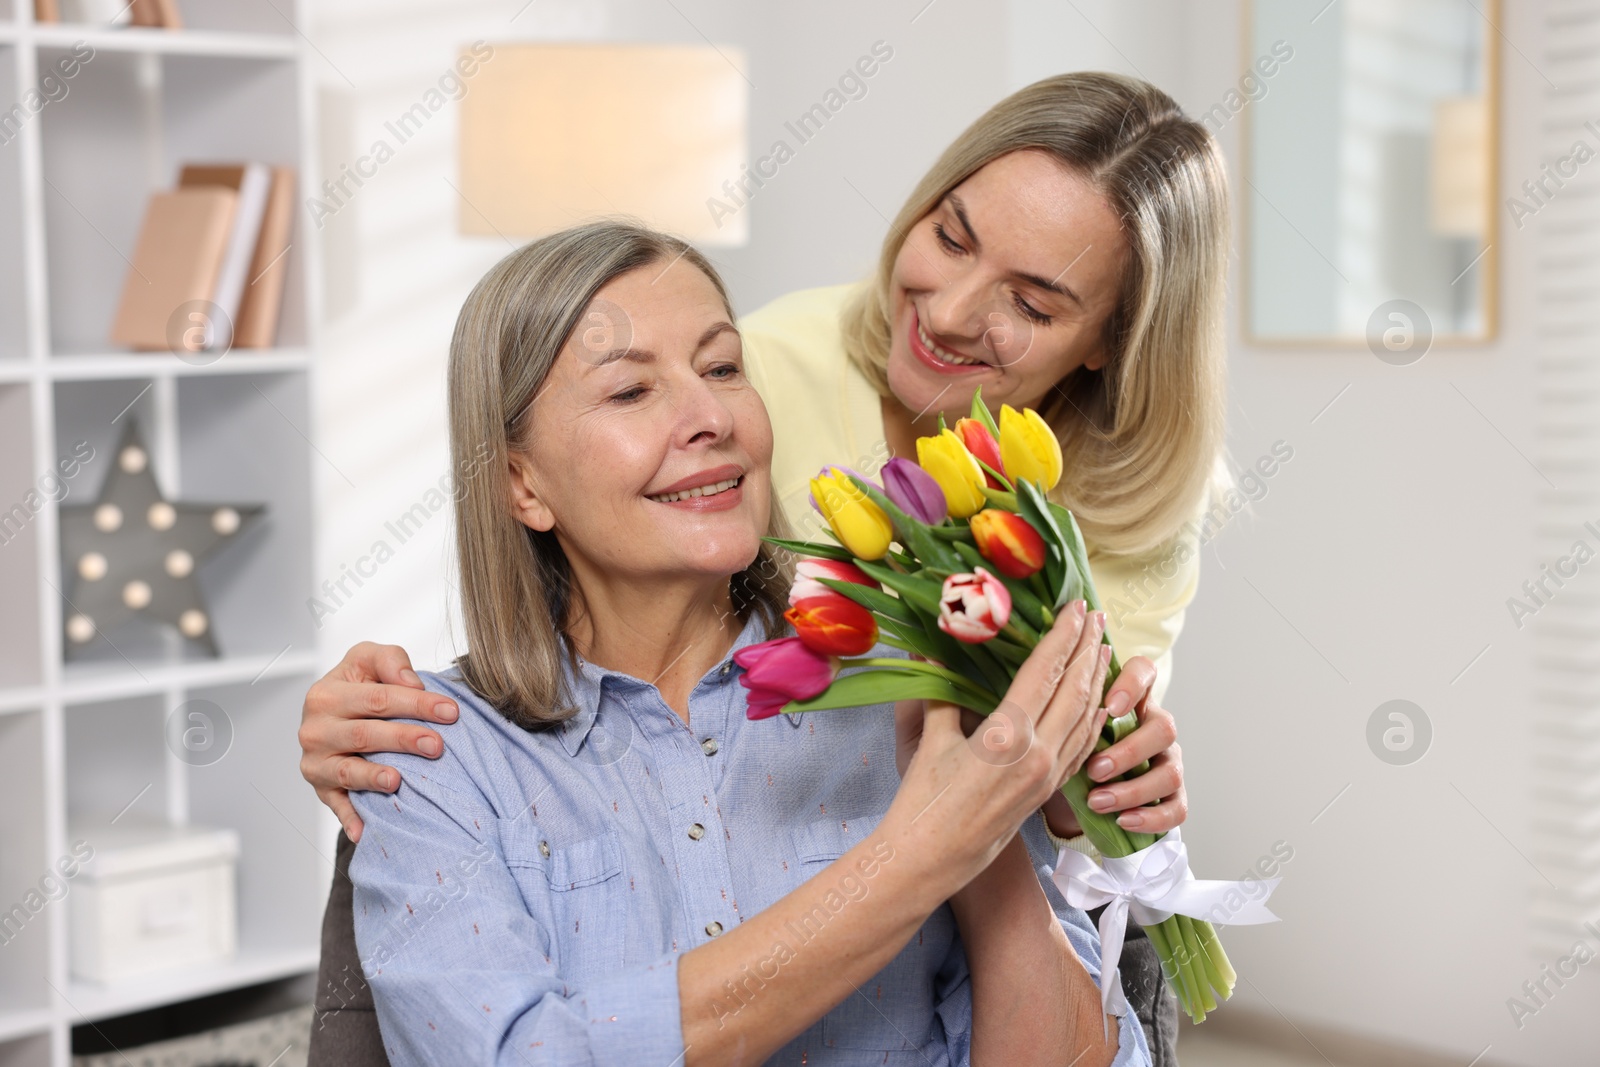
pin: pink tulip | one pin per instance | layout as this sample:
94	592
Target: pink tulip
807	571
779	671
973	607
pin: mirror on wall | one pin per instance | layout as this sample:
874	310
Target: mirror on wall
1370	170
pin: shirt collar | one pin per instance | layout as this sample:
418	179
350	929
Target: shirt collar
587	684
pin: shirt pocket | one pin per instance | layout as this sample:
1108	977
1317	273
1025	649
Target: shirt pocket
575	889
887	1014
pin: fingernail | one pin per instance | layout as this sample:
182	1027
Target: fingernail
411	678
1102	800
1130	820
352	831
1118	704
1099	767
1078	608
445	711
429	746
388	780
1100	620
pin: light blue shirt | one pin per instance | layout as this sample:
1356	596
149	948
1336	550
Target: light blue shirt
524	899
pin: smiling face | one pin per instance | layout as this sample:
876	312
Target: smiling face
1006	284
648	451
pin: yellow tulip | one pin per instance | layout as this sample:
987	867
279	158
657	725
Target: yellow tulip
1029	447
860	525
949	463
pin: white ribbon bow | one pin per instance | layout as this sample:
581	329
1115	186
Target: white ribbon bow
1151	885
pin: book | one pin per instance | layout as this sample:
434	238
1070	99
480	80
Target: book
257	325
177	259
98	12
252	182
145	12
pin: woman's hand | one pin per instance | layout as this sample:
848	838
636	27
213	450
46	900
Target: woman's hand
1043	731
1155	739
343	715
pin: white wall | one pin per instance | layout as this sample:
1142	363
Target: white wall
397	271
1376	567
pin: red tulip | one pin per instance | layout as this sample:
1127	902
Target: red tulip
981	443
974	607
1009	541
807	571
777	672
833	625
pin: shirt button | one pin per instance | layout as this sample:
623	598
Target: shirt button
709	746
696	831
544	849
713	928
726	667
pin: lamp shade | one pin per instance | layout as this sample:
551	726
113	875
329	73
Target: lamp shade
552	134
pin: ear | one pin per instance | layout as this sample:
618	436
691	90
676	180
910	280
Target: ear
1096	360
526	502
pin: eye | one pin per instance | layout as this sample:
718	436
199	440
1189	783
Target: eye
946	242
1029	312
732	369
629	395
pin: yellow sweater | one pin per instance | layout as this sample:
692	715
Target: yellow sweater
825	412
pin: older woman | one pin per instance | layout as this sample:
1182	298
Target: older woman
610	863
1067	253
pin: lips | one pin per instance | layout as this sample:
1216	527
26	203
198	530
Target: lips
933	355
713	479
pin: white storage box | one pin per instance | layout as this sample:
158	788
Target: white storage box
152	897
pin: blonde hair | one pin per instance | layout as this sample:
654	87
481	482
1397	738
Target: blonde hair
1141	435
517	588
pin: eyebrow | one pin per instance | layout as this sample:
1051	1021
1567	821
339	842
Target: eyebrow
1038	281
644	355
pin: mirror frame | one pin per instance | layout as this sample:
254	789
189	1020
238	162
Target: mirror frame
1488	264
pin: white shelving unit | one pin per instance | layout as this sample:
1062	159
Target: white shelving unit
88	737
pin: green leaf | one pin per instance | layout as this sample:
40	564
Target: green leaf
1001	478
875	600
957	532
980	411
811	548
923	592
910	637
886	685
1058	562
999	498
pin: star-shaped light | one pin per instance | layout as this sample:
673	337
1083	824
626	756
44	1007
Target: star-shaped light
134	553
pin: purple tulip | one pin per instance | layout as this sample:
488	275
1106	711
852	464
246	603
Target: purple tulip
913	491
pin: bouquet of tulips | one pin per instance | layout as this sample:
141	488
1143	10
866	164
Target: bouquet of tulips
960	559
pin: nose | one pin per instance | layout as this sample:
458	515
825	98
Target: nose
955	309
703	417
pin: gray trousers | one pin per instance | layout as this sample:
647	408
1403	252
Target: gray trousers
1148	994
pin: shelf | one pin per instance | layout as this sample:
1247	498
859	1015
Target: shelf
24	498
28	1021
217	43
88	1003
130	116
122	365
83	683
